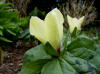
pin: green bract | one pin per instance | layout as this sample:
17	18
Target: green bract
50	29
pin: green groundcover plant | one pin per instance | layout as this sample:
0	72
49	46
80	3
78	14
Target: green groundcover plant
60	54
11	25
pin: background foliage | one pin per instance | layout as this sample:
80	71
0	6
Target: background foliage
11	25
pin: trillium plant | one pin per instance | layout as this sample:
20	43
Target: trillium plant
57	53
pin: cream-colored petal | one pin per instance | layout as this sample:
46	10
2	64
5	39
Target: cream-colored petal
71	23
74	22
81	20
38	29
79	23
54	22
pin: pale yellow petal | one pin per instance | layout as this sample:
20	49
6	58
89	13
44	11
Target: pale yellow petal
81	20
38	29
79	23
74	22
71	23
54	22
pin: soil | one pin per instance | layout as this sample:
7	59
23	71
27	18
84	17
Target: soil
12	63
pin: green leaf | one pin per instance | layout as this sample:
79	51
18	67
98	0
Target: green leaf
34	59
66	67
64	44
52	67
9	31
81	42
74	33
50	50
25	33
4	39
83	53
96	61
1	33
80	65
1	27
4	5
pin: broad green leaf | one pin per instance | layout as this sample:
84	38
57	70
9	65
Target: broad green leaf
96	61
52	67
48	30
50	50
66	67
81	42
34	59
83	53
80	65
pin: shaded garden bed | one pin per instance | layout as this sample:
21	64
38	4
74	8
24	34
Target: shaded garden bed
12	62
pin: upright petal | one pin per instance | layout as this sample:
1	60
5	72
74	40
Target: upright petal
38	29
81	20
70	23
54	22
74	22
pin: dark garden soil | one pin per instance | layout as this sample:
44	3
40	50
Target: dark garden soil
12	63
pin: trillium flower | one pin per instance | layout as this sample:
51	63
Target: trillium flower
48	30
74	22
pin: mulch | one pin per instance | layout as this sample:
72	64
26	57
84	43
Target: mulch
12	63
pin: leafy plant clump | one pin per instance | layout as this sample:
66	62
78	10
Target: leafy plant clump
10	23
75	54
78	9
